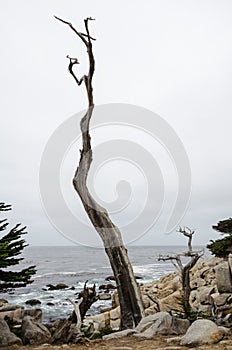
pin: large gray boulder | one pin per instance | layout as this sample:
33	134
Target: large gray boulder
223	278
7	338
14	316
34	333
160	323
202	332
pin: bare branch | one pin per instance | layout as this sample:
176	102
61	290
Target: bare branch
187	232
72	62
156	302
82	37
77	311
176	258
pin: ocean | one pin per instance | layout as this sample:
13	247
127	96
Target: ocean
74	265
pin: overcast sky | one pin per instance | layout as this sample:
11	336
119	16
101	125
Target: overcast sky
172	57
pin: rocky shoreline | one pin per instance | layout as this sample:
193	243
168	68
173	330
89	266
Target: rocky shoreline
211	297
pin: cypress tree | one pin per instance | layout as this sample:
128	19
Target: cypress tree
11	245
222	247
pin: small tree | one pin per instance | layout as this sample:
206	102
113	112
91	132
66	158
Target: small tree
11	245
184	270
222	247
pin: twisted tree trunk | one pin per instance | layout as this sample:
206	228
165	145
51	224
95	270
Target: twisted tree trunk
130	299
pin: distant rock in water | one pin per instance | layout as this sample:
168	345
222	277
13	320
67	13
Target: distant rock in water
33	302
57	287
107	286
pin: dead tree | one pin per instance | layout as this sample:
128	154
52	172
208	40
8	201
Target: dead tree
184	270
130	299
88	296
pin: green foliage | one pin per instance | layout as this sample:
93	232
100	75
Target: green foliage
11	245
222	247
99	334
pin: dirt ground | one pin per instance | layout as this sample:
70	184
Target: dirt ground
127	343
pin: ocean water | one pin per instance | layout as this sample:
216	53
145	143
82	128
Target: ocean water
73	265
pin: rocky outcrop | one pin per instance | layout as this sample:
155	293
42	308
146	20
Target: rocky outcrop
34	333
15	313
7	338
210	281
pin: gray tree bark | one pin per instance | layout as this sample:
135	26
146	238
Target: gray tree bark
131	305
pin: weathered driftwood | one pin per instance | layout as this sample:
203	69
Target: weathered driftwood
76	306
130	299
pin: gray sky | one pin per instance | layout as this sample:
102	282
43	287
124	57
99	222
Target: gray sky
172	57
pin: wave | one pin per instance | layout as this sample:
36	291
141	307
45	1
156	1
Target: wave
68	273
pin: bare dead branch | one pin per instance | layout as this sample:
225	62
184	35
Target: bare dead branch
82	37
77	311
187	232
156	302
72	62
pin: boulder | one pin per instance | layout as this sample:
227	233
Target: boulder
7	338
36	314
57	287
205	295
223	278
14	316
104	296
146	301
115	313
222	299
171	302
160	323
3	301
9	307
202	332
33	302
34	333
115	324
197	282
110	278
99	321
107	286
